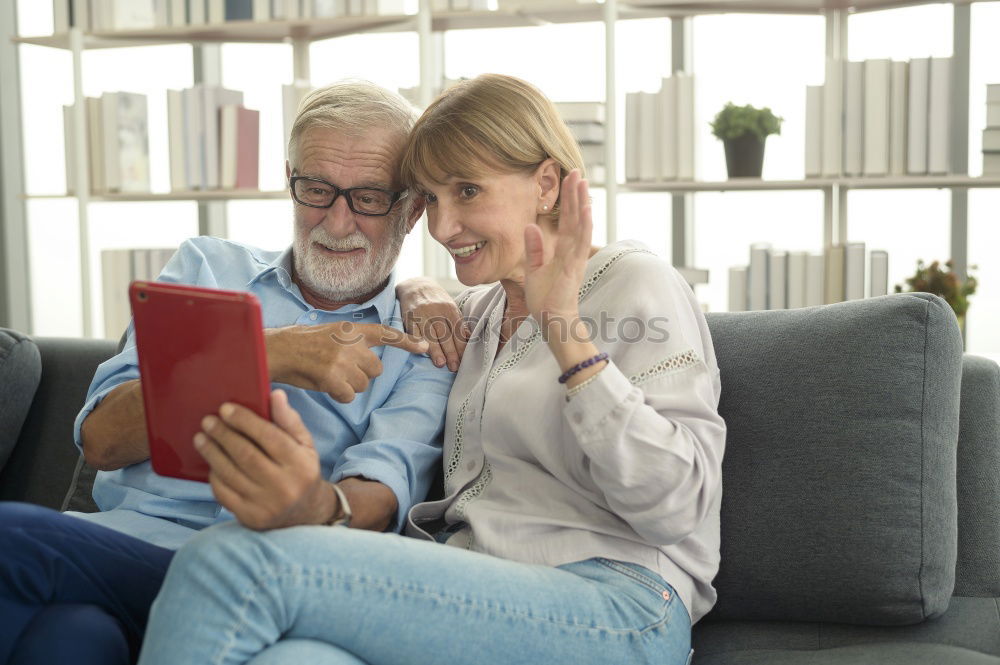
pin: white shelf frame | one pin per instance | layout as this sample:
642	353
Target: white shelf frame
429	26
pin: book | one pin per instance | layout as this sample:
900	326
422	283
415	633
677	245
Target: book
116	273
581	111
993	114
262	10
193	137
667	128
814	131
239	148
854	271
328	8
213	99
685	126
833	278
95	145
178	12
126	142
758	280
649	139
916	129
60	17
815	280
79	14
238	10
898	94
69	148
833	94
215	11
939	117
879	273
991	163
854	117
878	111
738	289
633	115
991	139
592	153
777	281
175	140
993	93
797	268
128	15
291	96
587	132
197	12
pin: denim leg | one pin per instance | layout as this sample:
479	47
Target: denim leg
305	652
231	593
47	558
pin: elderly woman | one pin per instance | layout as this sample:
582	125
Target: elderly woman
582	453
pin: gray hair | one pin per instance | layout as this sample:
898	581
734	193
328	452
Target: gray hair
354	107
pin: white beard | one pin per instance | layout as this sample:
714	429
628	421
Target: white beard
345	279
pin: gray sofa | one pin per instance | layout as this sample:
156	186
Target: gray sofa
861	507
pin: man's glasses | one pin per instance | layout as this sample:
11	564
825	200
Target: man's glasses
317	193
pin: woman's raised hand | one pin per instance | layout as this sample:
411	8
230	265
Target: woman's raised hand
552	278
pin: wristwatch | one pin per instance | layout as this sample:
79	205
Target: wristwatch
344	519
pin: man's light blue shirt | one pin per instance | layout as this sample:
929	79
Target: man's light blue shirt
390	433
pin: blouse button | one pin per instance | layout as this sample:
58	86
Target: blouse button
472	415
578	417
470	465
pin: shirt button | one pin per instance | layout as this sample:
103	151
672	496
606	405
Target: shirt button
313	316
470	465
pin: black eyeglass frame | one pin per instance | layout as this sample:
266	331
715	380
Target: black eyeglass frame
346	193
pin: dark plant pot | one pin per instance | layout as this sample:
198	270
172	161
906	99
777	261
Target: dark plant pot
744	156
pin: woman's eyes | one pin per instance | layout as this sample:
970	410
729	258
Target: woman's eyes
430	198
468	191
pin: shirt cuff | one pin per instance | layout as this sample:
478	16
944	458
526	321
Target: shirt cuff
385	474
608	393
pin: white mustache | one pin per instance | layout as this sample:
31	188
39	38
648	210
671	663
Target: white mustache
356	240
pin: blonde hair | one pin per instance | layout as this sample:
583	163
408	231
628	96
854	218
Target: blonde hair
489	122
353	107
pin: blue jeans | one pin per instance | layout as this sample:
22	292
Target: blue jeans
72	591
325	596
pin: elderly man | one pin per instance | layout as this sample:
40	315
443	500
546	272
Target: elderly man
77	588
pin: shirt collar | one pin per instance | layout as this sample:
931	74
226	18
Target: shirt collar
384	301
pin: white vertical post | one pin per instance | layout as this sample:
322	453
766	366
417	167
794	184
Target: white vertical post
682	204
610	120
212	219
82	183
436	260
300	60
835	197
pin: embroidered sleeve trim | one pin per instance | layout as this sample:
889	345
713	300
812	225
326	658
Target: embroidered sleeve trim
670	365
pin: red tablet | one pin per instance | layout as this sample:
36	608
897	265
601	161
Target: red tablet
198	348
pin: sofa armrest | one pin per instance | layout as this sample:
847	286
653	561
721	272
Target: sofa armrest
41	466
977	572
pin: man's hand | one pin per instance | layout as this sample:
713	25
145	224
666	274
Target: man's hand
429	312
267	474
335	358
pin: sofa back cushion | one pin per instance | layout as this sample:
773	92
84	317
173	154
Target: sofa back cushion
20	370
839	499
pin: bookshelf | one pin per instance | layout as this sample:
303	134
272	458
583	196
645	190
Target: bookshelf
428	25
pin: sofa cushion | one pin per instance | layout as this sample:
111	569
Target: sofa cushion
20	370
839	477
882	654
969	623
978	570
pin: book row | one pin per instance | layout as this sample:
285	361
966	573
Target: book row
114	15
779	279
991	135
119	267
659	132
213	140
880	117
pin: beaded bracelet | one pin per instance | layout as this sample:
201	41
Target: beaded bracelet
579	366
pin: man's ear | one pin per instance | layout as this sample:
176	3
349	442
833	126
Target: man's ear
419	203
547	176
288	170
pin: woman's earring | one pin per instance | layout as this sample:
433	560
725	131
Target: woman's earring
545	208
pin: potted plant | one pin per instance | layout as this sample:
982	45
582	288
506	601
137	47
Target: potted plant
743	130
947	284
